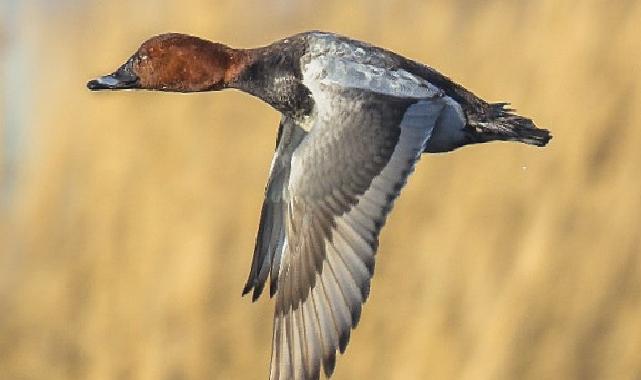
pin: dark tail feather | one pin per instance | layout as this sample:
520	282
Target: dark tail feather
504	124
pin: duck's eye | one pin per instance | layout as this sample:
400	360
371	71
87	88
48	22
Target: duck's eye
144	57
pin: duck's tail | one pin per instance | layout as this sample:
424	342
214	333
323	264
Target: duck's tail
503	124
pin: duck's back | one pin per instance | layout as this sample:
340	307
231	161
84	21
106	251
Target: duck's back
334	59
382	64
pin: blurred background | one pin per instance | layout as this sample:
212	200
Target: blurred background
127	220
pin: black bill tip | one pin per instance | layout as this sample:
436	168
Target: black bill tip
92	84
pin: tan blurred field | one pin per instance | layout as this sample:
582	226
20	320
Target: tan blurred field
128	232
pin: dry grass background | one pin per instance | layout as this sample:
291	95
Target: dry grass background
129	231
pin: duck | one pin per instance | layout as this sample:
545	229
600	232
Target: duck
355	120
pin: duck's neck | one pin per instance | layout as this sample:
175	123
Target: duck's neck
273	74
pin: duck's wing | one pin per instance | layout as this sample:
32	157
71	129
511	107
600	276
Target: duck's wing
271	231
345	175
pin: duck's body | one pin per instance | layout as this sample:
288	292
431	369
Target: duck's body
283	73
355	120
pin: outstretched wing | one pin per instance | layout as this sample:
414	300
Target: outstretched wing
271	231
344	177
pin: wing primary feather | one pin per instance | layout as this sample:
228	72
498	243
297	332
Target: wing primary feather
351	285
328	355
316	247
329	329
353	263
297	314
314	340
359	246
297	349
291	348
304	344
284	359
276	235
341	307
274	274
335	319
257	258
274	373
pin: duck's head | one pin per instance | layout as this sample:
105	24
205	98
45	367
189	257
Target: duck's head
175	62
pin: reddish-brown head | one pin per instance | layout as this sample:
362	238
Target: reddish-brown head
176	62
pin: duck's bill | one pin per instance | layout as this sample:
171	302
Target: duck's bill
114	81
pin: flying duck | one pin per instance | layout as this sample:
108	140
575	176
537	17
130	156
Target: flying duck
355	120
